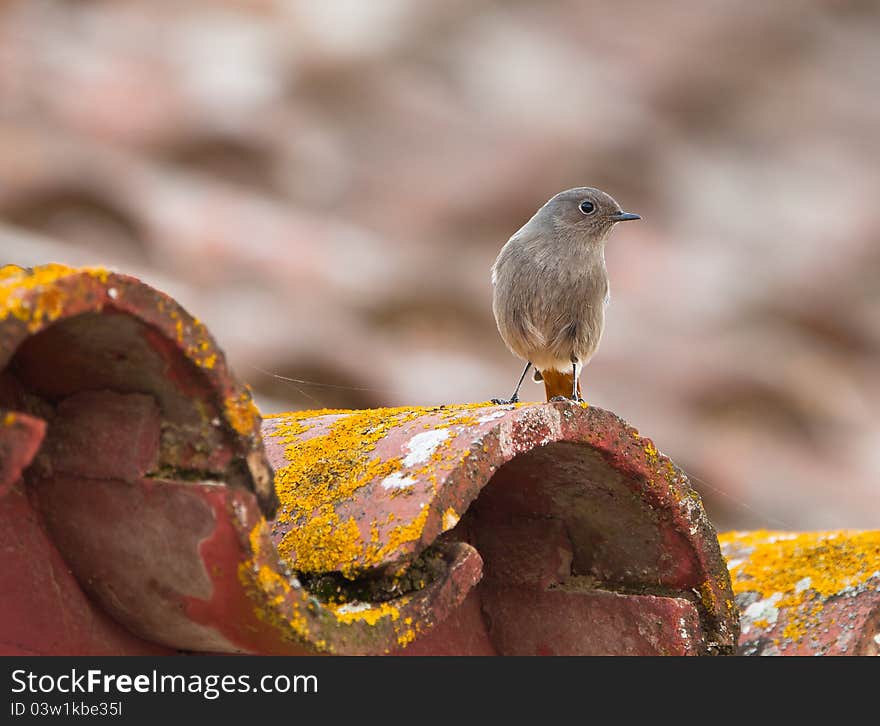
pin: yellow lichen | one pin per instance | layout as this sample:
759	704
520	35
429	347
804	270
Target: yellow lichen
30	295
200	348
33	297
407	634
803	569
10	271
404	630
398	536
406	637
328	468
321	471
369	613
273	588
9	418
708	597
450	519
242	413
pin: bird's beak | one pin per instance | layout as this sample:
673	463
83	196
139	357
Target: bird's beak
623	217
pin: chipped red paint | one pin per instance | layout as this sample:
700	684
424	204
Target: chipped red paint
230	609
123	427
463	632
592	622
43	610
174	575
20	437
89	353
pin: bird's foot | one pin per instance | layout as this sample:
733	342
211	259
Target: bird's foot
505	401
570	399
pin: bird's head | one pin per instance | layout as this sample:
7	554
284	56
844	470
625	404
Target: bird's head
583	211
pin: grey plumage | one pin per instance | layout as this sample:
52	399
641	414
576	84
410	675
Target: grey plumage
550	282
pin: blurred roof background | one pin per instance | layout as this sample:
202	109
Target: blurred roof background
326	184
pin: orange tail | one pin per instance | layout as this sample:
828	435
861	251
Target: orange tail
557	383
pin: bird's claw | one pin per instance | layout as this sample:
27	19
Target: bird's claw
505	401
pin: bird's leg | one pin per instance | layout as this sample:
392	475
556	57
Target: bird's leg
515	397
575	395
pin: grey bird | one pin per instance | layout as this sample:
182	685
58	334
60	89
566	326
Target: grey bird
550	288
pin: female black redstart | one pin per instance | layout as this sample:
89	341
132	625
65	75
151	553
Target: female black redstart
551	288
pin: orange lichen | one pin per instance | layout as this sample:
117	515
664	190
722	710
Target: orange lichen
801	571
9	418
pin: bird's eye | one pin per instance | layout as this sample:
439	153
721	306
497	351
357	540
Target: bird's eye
587	207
